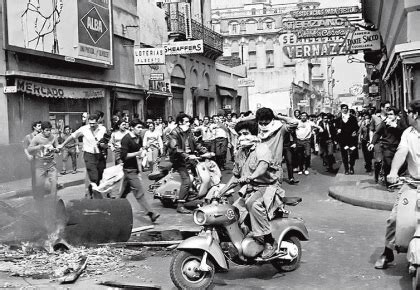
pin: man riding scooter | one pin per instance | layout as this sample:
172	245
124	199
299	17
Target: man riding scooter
181	145
408	150
261	194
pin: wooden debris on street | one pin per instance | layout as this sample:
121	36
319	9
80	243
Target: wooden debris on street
129	285
73	275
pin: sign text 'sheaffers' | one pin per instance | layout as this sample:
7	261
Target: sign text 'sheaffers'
184	47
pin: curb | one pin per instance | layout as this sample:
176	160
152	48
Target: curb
359	202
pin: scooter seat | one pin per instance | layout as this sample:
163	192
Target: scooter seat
292	201
165	166
157	175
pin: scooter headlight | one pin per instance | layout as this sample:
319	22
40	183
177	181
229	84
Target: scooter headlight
199	217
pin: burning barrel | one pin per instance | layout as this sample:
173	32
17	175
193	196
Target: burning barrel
94	221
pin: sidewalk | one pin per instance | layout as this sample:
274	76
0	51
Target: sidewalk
360	189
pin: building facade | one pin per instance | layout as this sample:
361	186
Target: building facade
396	67
254	32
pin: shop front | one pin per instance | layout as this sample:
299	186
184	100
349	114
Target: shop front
204	103
226	98
130	103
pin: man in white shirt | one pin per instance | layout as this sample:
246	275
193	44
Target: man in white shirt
94	160
206	133
408	150
303	144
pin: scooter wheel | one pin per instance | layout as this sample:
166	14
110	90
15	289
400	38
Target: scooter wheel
185	274
416	280
288	266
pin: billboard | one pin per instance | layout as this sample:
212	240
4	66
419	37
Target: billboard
72	30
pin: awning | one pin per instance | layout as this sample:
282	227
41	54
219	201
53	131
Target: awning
225	93
128	96
204	93
160	94
53	91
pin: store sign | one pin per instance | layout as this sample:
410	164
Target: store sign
246	82
313	23
159	86
373	89
157	76
151	55
364	39
75	31
325	12
184	47
323	32
10	89
52	91
314	50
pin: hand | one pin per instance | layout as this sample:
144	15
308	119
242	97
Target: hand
338	131
391	178
192	157
354	134
77	150
370	147
60	147
321	130
229	145
243	180
29	157
293	145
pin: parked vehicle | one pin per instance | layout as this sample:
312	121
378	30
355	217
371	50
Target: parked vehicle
223	239
407	234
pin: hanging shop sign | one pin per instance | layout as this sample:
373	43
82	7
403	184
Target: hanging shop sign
373	89
159	86
157	76
365	39
323	32
188	20
150	55
52	91
314	50
325	12
184	47
313	23
10	89
246	82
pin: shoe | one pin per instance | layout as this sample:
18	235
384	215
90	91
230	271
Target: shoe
293	181
74	172
346	172
382	262
269	250
300	172
181	209
351	171
154	216
63	172
306	172
295	170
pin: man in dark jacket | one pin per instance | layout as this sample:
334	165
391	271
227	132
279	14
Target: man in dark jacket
181	145
347	128
326	141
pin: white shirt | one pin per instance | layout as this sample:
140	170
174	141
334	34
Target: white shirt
410	140
304	130
90	139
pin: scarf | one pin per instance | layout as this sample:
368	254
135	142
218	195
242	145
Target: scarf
270	129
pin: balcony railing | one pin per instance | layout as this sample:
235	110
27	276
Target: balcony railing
176	25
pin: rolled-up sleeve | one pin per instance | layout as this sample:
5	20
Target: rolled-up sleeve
124	148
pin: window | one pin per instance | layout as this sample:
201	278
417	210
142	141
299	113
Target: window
269	25
264	10
270	58
235	28
253	11
252	59
235	54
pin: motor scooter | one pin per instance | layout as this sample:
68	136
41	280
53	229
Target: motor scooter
168	181
222	239
407	232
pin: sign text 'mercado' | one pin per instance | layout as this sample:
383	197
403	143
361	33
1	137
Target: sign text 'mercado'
312	23
316	50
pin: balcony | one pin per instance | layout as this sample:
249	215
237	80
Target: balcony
213	41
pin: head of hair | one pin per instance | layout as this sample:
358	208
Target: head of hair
414	106
100	114
180	117
66	127
304	113
383	104
251	125
234	115
93	117
34	124
135	122
342	106
46	125
394	109
264	114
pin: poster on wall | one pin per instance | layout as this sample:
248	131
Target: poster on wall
75	31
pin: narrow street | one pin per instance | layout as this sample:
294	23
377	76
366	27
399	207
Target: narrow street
344	243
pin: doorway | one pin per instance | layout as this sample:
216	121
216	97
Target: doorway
156	108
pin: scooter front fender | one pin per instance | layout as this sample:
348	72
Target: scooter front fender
205	244
289	226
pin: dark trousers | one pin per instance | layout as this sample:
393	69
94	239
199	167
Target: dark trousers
348	156
95	166
303	148
33	177
73	155
367	155
288	157
185	183
221	151
388	152
131	182
328	153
